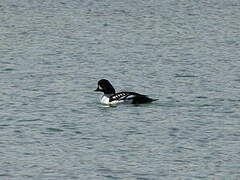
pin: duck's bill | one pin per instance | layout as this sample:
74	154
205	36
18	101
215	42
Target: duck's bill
98	89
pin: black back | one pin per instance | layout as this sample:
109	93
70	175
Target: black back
135	97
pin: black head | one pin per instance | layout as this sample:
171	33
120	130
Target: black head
105	86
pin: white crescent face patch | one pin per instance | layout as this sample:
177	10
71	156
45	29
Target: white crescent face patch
100	88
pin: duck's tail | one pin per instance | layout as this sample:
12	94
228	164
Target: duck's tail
142	99
153	99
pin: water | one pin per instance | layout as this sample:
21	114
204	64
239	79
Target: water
186	53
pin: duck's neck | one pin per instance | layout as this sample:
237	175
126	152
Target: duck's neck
107	95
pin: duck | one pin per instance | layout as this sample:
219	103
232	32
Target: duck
110	97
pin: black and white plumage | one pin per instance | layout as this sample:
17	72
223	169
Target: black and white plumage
111	97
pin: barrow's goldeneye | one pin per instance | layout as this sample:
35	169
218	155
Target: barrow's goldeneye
111	97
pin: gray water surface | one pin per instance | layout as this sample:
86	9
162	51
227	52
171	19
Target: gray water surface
185	53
